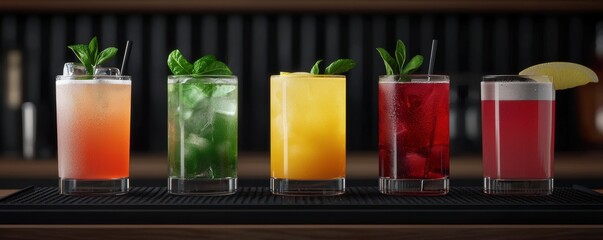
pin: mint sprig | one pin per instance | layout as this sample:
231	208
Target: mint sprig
395	66
89	55
206	65
315	68
337	67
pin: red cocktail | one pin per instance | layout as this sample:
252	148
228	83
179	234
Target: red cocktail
518	134
414	134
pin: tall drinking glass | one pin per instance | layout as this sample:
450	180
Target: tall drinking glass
93	134
307	134
202	135
414	134
518	134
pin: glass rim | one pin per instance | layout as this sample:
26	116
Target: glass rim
207	79
415	78
518	78
310	75
414	75
202	76
94	77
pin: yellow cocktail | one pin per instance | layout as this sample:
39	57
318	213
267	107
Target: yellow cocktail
307	134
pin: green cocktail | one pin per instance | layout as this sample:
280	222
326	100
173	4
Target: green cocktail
202	134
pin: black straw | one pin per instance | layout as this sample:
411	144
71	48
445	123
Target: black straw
124	63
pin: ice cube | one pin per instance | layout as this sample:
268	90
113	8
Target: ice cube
199	122
191	95
226	106
196	148
197	141
413	165
186	114
223	90
71	69
106	71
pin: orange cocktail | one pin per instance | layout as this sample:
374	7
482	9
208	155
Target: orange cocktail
307	134
93	132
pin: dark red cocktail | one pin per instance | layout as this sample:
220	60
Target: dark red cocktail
414	134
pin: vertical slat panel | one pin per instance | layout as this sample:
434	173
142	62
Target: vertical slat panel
108	38
450	43
259	95
551	39
8	28
332	38
33	48
83	29
501	46
525	42
476	45
139	127
57	57
379	39
575	39
308	42
427	34
209	35
57	46
236	56
32	81
184	36
355	82
284	43
402	29
157	80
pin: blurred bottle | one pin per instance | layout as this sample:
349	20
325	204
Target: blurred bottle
590	100
12	98
29	130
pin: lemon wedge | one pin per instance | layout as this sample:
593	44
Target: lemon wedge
294	73
563	74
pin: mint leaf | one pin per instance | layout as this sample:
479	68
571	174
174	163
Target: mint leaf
340	66
400	54
396	66
403	78
201	64
315	69
105	55
206	65
216	68
391	67
81	52
209	89
414	64
89	56
93	51
178	64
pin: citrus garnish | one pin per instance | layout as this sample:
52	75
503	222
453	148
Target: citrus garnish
294	73
564	75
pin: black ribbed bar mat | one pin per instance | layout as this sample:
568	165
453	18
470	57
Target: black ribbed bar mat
256	205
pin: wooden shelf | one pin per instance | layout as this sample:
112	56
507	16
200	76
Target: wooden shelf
301	5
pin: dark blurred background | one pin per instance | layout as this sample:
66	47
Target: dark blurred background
260	38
